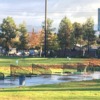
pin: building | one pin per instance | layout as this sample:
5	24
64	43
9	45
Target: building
98	19
0	49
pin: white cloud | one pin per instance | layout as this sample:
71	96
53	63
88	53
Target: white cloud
32	11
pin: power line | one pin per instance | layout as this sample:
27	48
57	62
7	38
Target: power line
33	12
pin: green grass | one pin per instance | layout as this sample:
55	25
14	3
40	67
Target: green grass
85	90
6	61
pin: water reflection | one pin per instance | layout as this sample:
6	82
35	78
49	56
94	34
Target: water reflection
48	79
96	75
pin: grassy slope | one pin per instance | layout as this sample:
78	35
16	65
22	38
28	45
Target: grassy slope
5	62
85	90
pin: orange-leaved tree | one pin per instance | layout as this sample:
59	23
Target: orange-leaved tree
36	40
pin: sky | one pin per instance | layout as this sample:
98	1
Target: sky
32	11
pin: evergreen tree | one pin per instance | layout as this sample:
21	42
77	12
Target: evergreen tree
8	31
89	33
23	37
64	33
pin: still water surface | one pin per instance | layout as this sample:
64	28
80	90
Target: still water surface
47	79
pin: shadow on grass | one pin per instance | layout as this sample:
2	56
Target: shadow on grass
48	89
9	57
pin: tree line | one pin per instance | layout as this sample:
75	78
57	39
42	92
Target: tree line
68	36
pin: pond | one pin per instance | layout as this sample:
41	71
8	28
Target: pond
47	79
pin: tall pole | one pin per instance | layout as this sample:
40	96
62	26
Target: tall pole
45	44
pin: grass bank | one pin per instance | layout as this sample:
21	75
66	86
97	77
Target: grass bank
5	63
51	63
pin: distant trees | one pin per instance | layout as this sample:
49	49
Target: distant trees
69	34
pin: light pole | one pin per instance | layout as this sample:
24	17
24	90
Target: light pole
45	38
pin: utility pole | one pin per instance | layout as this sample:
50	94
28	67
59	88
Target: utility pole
45	38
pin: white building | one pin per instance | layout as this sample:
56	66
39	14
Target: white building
98	19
